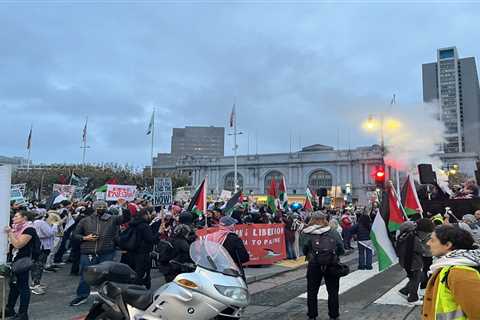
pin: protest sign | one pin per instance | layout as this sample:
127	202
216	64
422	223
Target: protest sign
17	196
20	186
265	243
225	195
5	193
117	191
65	190
162	191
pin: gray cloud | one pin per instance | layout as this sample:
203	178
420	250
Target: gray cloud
309	70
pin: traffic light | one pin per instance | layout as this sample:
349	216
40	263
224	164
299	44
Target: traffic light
379	176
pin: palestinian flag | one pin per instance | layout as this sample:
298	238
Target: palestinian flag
272	196
198	204
308	206
230	205
396	215
383	245
283	194
410	198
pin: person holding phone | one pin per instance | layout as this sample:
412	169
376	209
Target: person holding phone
96	234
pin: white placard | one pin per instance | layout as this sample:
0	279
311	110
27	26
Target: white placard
117	191
5	183
65	190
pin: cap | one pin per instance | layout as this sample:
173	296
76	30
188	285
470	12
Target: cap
99	203
228	221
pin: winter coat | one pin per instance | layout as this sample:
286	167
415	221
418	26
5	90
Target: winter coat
409	248
309	233
362	232
105	227
144	235
235	247
424	237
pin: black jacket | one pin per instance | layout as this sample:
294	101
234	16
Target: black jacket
235	247
105	227
144	235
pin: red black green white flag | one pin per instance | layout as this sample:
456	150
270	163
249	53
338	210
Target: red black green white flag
283	197
396	215
308	206
272	196
198	204
410	201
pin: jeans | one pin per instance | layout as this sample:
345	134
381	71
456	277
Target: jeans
83	289
290	250
414	279
38	265
19	287
347	238
427	262
364	257
314	280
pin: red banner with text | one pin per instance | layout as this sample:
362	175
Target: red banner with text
265	243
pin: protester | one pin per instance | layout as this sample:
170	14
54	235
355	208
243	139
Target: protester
22	236
46	231
409	247
424	229
139	258
365	245
470	224
289	231
183	235
227	237
68	221
477	217
454	286
96	233
322	249
346	224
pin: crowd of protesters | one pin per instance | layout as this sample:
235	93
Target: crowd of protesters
95	231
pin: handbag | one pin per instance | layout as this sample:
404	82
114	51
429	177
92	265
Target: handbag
22	265
339	270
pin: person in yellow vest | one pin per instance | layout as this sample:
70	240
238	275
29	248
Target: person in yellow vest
454	288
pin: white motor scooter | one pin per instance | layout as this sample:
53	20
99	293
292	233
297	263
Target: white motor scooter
215	288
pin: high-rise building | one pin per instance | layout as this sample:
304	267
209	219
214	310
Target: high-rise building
198	141
453	83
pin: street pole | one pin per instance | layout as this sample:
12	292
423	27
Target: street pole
151	150
235	147
84	146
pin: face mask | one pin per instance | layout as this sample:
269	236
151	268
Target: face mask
101	211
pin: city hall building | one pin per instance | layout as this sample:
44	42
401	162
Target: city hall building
321	168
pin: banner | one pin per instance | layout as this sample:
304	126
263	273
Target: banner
65	190
265	243
117	191
162	191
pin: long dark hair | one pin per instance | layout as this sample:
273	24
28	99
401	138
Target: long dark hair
459	238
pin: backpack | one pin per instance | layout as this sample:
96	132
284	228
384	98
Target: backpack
127	240
324	250
36	247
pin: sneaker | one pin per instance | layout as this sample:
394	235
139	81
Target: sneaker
412	298
403	292
78	301
38	290
8	313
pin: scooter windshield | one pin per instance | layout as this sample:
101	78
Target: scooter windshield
213	256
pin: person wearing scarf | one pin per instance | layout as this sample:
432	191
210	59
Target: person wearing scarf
227	237
454	286
20	237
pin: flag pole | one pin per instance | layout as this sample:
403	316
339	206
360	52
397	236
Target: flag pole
205	188
151	150
84	147
29	147
235	147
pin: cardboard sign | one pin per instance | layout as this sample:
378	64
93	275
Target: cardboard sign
265	243
162	191
20	186
17	196
64	189
117	191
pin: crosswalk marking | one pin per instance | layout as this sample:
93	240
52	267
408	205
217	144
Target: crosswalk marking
348	282
393	297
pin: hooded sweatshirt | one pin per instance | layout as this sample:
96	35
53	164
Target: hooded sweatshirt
311	231
463	284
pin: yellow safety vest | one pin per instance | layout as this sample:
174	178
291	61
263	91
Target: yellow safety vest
446	308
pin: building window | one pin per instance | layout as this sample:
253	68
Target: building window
230	181
268	180
319	180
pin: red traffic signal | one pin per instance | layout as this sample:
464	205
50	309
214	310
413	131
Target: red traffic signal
379	175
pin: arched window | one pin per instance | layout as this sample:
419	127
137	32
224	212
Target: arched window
320	179
268	180
230	181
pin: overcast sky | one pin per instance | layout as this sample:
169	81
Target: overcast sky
298	70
